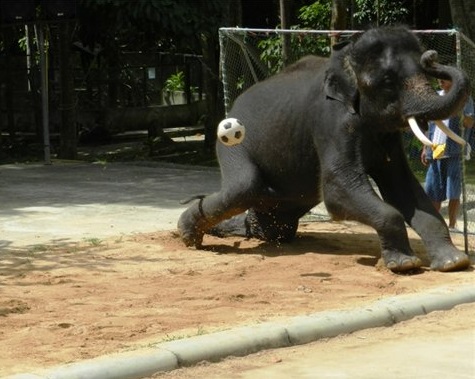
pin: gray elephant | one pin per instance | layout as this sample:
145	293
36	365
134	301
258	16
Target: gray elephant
318	131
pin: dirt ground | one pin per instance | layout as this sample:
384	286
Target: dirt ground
65	303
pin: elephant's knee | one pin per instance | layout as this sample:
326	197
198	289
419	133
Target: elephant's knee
389	219
336	210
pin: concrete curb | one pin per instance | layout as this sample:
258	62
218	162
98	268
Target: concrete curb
242	341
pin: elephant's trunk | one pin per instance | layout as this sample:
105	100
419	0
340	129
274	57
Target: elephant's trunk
421	101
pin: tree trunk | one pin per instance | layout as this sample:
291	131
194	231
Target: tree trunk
213	88
68	144
8	40
211	79
339	16
463	16
285	17
113	75
34	82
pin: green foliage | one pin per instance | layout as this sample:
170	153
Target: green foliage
162	20
22	43
93	241
301	45
390	12
271	53
315	16
175	82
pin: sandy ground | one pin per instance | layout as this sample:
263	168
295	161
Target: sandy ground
69	301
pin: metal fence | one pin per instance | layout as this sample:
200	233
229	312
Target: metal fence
251	55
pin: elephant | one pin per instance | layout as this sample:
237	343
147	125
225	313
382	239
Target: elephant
326	129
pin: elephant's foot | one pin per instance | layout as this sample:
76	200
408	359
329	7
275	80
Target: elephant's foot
398	262
235	226
189	232
453	260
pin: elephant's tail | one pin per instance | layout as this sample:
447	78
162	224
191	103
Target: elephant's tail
190	199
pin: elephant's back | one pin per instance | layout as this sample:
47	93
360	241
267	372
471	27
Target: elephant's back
274	108
279	116
290	84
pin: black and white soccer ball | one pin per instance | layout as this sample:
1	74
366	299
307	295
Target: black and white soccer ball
231	132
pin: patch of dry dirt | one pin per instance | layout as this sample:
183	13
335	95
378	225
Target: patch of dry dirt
66	303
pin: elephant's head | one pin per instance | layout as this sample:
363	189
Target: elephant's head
384	76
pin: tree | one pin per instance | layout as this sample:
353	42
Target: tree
68	141
314	16
380	12
339	17
285	16
173	25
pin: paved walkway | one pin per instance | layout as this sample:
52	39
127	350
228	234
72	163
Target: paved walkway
449	354
67	202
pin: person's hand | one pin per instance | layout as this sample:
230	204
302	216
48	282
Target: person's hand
424	160
468	121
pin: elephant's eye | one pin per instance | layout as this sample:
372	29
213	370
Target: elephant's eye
375	48
367	51
390	77
371	50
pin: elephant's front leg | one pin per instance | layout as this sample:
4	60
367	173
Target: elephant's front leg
349	196
400	188
443	254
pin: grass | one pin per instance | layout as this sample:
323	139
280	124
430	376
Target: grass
470	172
38	249
174	337
93	241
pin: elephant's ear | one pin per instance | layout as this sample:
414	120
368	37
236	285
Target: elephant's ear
340	45
340	80
341	89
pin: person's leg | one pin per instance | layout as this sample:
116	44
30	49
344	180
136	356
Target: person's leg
435	183
454	189
454	205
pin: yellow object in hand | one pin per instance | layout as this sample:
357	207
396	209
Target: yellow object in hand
438	151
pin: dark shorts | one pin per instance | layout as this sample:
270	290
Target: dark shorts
444	179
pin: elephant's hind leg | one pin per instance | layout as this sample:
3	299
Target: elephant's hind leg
235	226
202	215
240	193
273	226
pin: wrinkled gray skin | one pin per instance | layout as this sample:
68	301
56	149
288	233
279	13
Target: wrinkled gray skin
317	131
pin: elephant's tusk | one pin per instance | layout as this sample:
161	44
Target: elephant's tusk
418	132
440	124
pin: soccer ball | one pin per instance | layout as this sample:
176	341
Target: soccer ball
231	131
